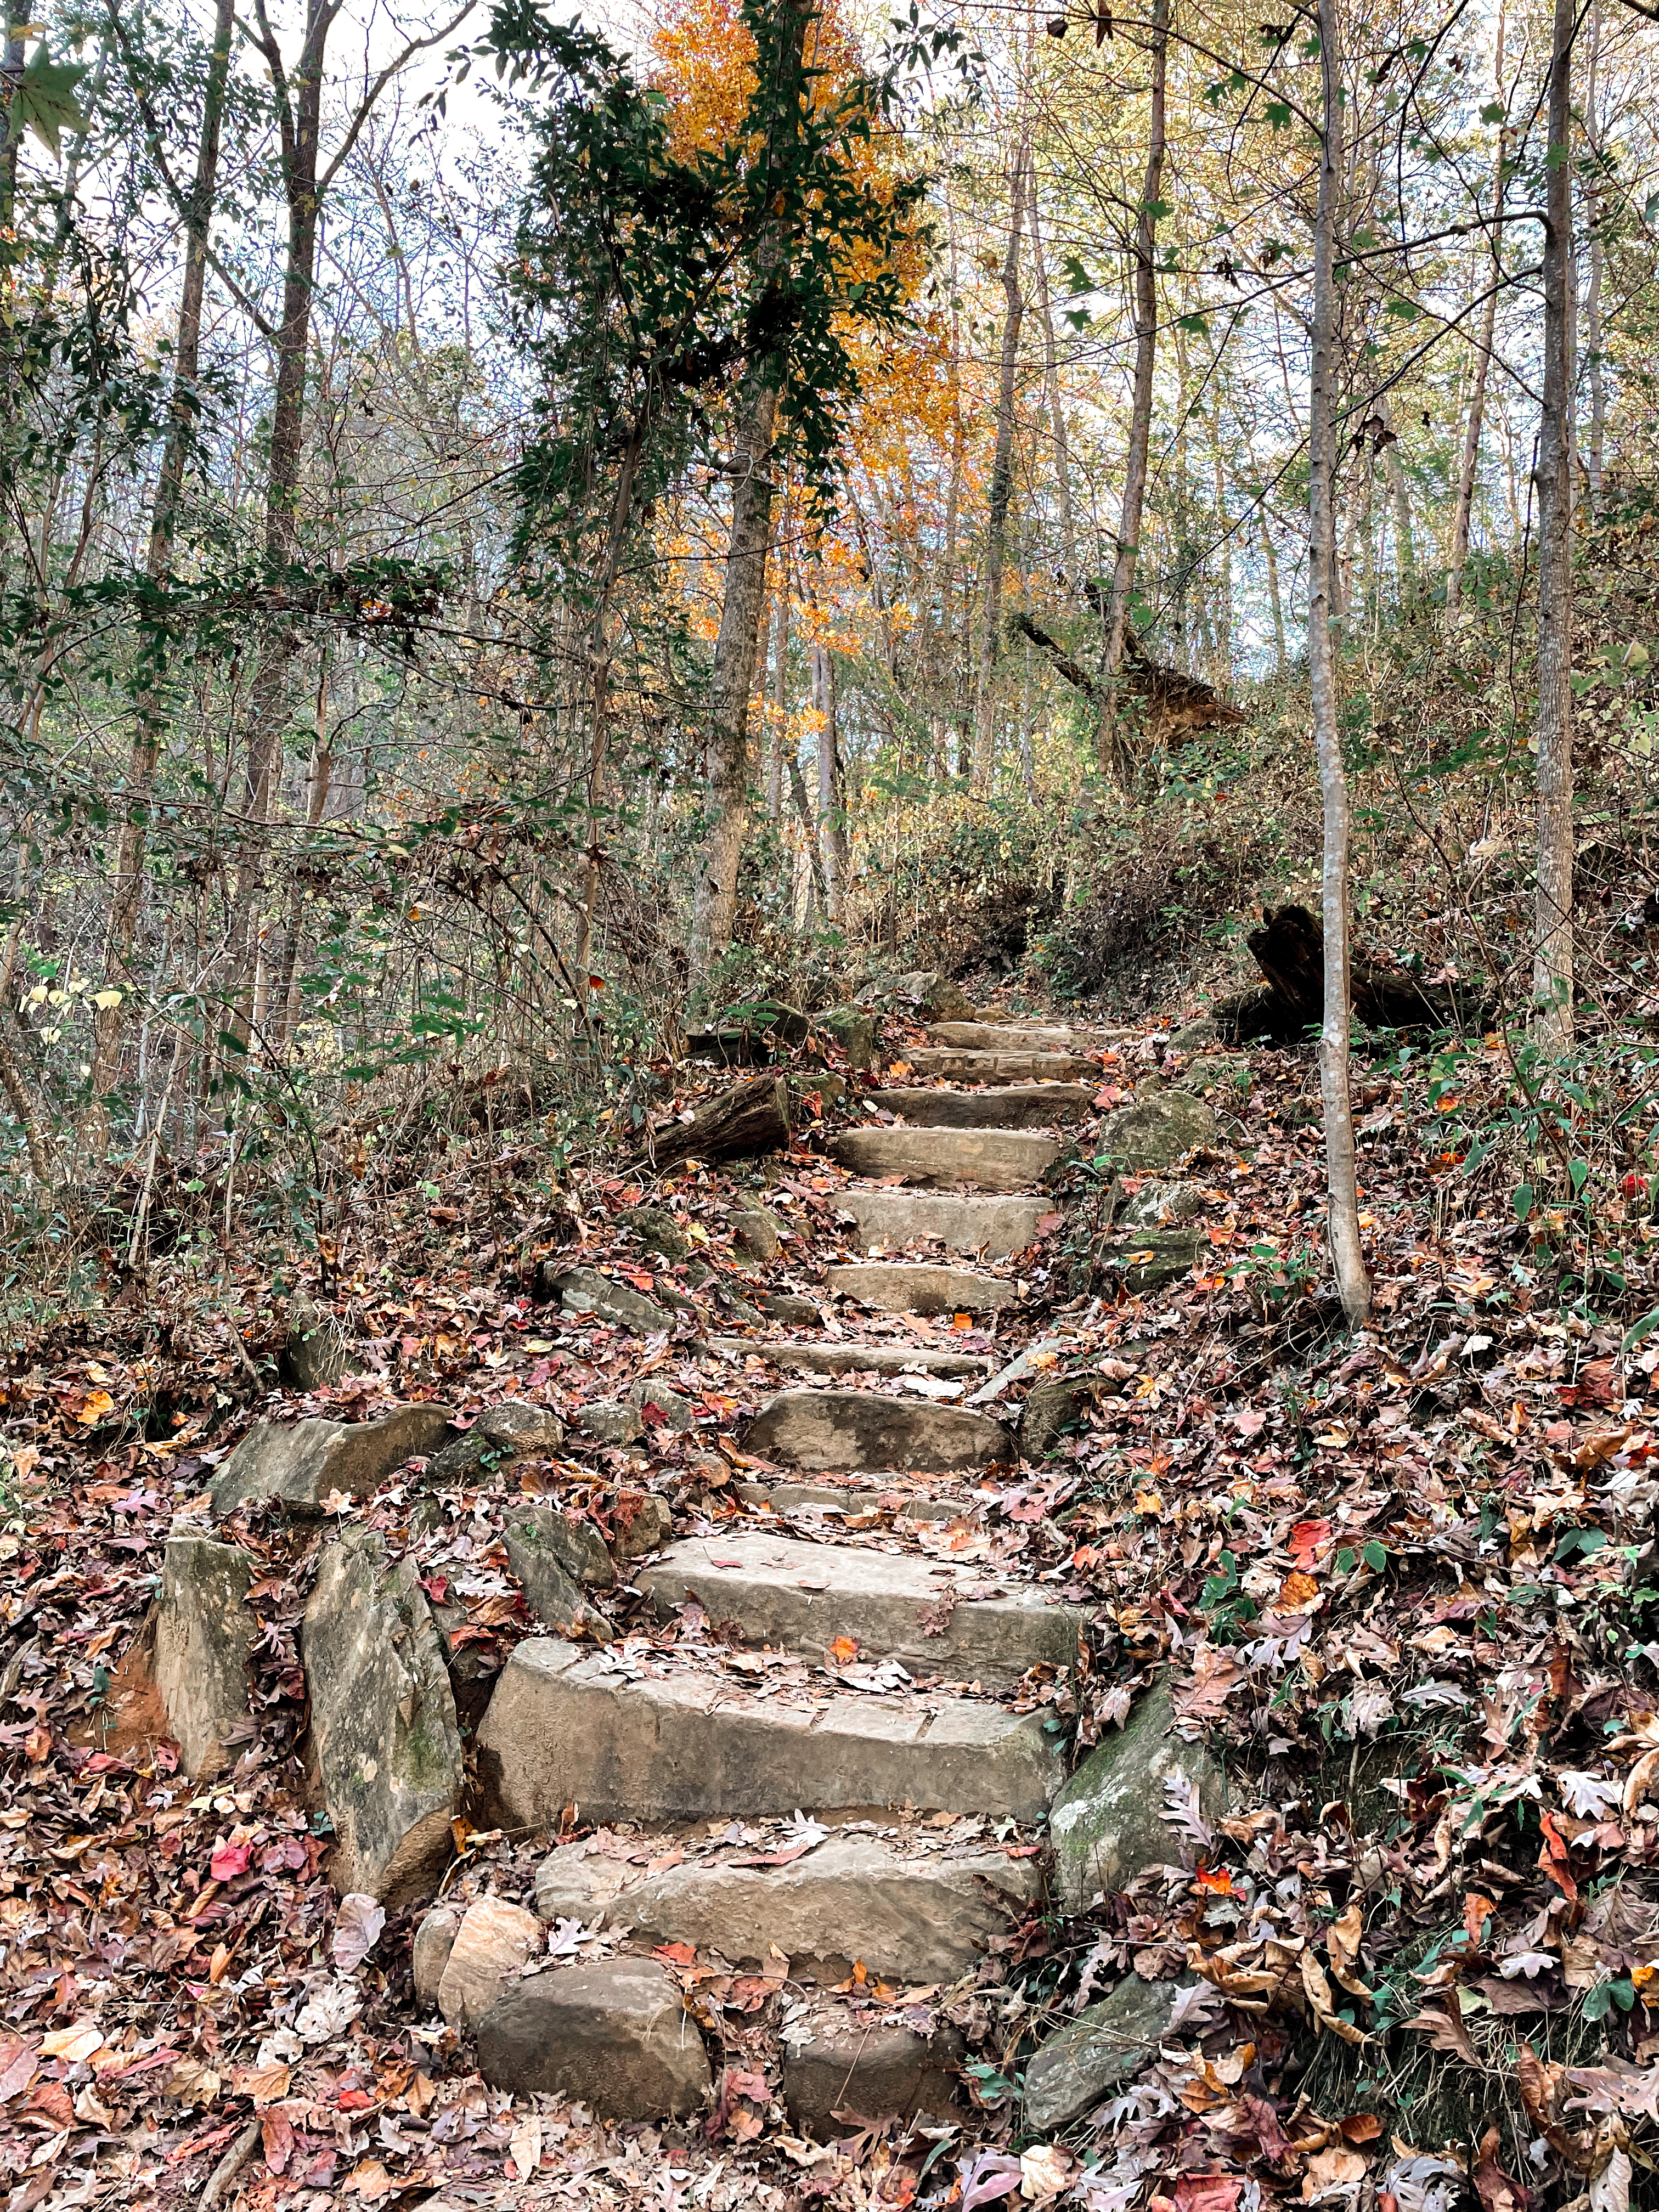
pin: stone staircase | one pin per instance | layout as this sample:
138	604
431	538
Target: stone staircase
869	1671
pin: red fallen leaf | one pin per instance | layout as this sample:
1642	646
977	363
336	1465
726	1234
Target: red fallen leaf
229	1860
783	1858
1497	2192
653	1415
1552	1859
436	1587
210	2140
1216	1880
357	2100
1206	2192
277	2130
843	1649
469	1633
1264	2120
18	2064
1049	1223
1360	2127
677	1955
1308	1539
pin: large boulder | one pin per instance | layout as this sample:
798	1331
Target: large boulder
1107	1824
615	2036
386	1741
1110	2044
203	1635
1147	1259
585	1290
843	2063
852	1030
301	1465
1155	1132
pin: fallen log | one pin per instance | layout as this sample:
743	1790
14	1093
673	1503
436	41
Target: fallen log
751	1117
1289	948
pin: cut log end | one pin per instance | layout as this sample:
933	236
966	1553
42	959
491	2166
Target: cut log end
751	1117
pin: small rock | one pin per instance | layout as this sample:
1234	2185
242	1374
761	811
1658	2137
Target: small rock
435	1939
495	1940
1194	1036
1156	1132
1107	2045
299	1466
657	1228
576	1545
640	1523
615	2036
610	1421
925	992
757	1233
1108	1825
676	1410
1161	1206
1227	1076
501	1434
1052	1409
313	1351
877	2070
584	1290
383	1723
852	1030
204	1634
793	1312
550	1591
1148	1259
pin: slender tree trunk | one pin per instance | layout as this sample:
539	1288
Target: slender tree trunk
1404	546
183	417
318	786
831	834
1117	756
1275	600
1341	1161
1002	485
780	734
1594	338
1553	934
1056	409
1467	474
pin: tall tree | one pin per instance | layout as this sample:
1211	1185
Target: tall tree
1002	483
1463	506
1342	1195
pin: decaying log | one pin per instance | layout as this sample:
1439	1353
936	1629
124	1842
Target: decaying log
751	1117
1289	948
1176	704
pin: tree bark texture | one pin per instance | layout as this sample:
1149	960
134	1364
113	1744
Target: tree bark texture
1002	486
1553	934
1116	751
753	1117
1463	508
1342	1197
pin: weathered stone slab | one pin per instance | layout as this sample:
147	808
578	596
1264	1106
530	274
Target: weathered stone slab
947	1064
850	1358
534	1545
794	1312
1104	2047
949	1159
435	1939
609	1421
851	1030
315	1352
800	1596
613	2035
1015	1106
1156	1132
909	1917
924	991
204	1634
754	1228
1022	1036
993	1226
849	2063
1052	1409
844	1430
915	1287
299	1465
584	1290
1148	1259
576	1545
383	1725
565	1727
1107	1823
494	1939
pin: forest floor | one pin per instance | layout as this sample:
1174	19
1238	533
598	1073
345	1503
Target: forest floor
1403	1581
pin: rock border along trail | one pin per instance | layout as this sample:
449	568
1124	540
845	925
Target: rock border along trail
834	1762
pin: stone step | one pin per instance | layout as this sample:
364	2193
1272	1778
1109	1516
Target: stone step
930	1617
914	1287
568	1727
948	1065
949	1159
1017	1106
611	2034
911	1914
845	1431
846	2065
961	1222
850	1358
847	1503
1023	1036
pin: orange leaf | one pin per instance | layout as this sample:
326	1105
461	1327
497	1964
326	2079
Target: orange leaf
843	1650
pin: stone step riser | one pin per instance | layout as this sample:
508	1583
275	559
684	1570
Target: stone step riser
946	1063
1015	1106
949	1159
914	1287
565	1729
856	1432
1024	1036
852	1358
895	1219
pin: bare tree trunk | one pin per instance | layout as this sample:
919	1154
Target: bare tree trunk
1116	752
1056	409
184	410
1404	548
1553	935
1342	1184
317	791
1002	486
1594	338
832	836
1464	507
780	734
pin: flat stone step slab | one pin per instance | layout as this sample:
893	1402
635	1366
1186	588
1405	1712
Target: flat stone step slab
567	1726
799	1596
949	1064
852	1358
949	1159
907	1286
906	1915
847	1432
841	2068
613	2035
819	1498
1022	1036
992	1225
1015	1106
